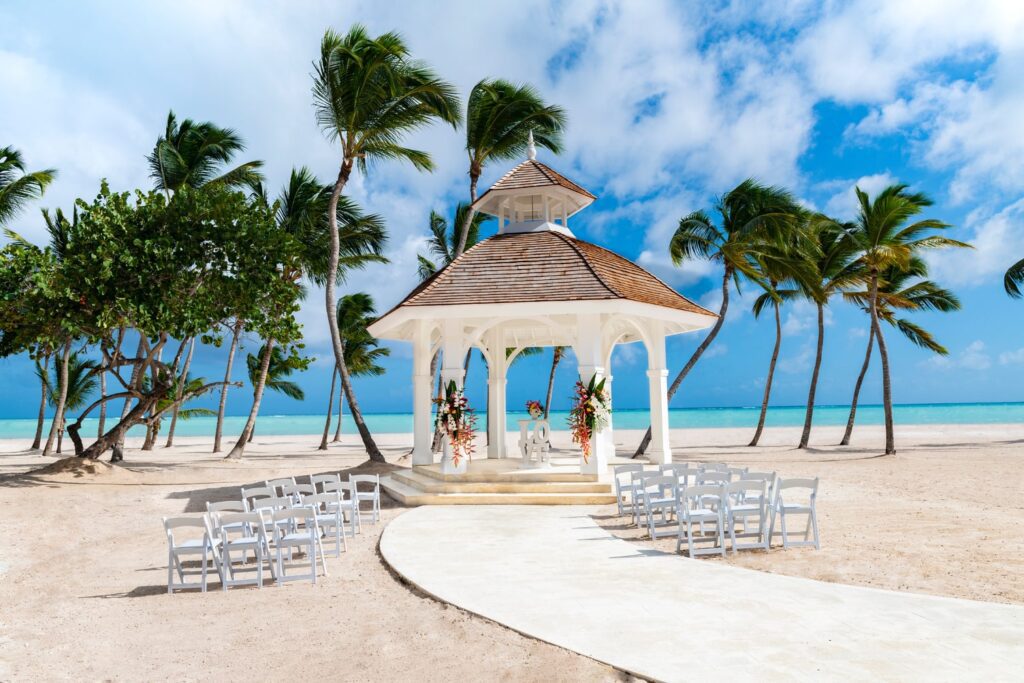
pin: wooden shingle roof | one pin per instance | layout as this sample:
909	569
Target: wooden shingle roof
531	173
543	266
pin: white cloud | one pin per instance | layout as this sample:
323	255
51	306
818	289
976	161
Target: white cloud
998	242
716	350
1012	357
973	357
802	319
797	363
843	204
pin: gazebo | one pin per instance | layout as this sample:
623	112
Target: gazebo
535	284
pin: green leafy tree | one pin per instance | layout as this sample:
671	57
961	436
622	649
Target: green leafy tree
750	216
833	259
368	95
901	289
443	241
887	238
500	119
17	185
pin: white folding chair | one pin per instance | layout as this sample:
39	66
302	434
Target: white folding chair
637	485
661	499
344	490
276	484
317	481
268	506
330	518
295	529
713	467
701	505
255	493
746	504
243	532
736	473
373	495
179	550
297	491
623	491
712	478
784	505
684	474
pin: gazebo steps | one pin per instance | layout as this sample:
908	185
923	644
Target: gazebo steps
428	483
411	494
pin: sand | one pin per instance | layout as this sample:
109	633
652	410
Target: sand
83	559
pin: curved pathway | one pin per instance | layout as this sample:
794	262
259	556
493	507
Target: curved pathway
554	574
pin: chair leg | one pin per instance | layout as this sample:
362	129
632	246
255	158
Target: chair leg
170	571
814	522
782	522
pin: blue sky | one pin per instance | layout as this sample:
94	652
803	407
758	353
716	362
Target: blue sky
668	107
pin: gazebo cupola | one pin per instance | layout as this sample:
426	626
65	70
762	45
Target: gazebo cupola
533	197
535	284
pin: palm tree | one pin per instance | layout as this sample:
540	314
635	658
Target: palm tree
356	312
901	289
833	259
362	353
18	186
177	395
444	239
368	94
1014	279
270	372
500	119
191	154
42	371
556	357
886	240
773	296
80	382
750	216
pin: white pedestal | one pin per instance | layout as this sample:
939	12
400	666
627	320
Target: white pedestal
448	465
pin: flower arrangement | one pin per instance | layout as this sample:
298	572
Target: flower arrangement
589	414
455	419
535	409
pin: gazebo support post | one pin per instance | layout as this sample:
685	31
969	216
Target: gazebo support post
422	429
659	451
496	385
590	358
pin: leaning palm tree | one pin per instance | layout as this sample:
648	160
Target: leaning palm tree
501	118
750	216
356	313
833	260
901	289
885	240
80	381
774	296
368	95
362	357
18	186
556	358
270	372
1014	279
194	154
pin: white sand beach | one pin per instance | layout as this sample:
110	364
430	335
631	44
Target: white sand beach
82	566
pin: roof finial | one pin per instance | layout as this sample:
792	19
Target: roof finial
531	150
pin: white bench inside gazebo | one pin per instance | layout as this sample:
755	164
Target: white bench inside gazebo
533	284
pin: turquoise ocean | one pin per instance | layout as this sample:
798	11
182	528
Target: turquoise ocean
679	418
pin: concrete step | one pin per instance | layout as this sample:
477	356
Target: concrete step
491	471
429	484
410	495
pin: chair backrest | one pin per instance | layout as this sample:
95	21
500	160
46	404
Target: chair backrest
638	480
297	490
746	486
276	484
684	474
318	480
357	479
713	466
712	477
254	493
809	485
736	473
699	494
322	501
660	485
240	523
303	514
273	504
226	506
198	522
622	472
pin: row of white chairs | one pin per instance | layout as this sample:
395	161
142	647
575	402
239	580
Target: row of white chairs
674	499
271	523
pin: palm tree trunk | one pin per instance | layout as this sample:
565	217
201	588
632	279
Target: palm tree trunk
357	416
117	454
177	395
235	333
103	406
250	424
330	411
890	439
154	429
646	441
332	312
555	358
474	176
768	381
341	406
805	437
60	438
58	416
856	390
41	420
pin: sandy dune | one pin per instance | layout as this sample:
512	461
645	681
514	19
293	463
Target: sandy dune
82	559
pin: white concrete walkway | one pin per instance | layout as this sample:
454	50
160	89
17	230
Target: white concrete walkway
553	573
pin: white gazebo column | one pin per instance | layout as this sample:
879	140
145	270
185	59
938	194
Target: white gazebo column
422	428
608	433
497	369
590	358
659	451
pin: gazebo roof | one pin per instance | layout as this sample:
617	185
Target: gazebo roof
541	266
532	178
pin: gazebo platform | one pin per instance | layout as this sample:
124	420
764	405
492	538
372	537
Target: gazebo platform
503	481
